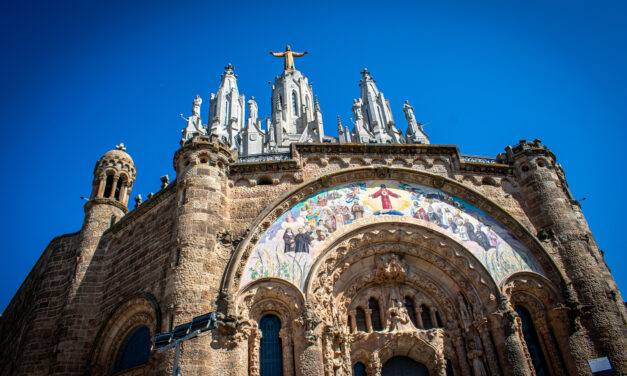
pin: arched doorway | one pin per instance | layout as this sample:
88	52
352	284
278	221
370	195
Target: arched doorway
403	366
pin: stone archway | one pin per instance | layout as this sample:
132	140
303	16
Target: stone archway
388	259
403	366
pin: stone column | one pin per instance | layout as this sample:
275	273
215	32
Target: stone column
101	186
286	346
123	189
254	343
558	319
310	359
488	347
548	345
353	320
460	350
419	318
368	320
514	356
373	368
434	320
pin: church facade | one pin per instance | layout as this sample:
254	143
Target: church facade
370	253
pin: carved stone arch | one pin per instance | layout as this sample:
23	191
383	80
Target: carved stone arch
380	235
357	161
339	161
274	210
532	284
138	309
426	347
270	295
378	161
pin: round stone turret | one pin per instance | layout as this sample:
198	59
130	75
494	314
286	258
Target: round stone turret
546	199
114	176
202	219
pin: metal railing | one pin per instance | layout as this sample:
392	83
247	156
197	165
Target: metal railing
264	158
478	159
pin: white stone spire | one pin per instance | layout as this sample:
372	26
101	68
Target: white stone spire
376	112
226	109
415	133
295	117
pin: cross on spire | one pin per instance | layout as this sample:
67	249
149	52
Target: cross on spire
120	147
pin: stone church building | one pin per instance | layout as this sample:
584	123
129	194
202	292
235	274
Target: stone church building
370	253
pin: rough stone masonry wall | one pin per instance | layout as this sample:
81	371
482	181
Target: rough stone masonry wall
140	255
29	325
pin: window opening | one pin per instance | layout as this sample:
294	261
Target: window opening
375	317
108	186
294	104
426	317
532	341
360	319
135	349
118	189
359	369
270	352
411	311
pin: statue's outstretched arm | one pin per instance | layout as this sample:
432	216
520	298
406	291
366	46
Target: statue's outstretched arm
299	54
277	54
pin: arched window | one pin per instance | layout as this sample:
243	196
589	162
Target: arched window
532	341
426	317
360	319
135	349
359	369
270	352
294	104
439	319
375	316
307	101
118	188
409	306
108	186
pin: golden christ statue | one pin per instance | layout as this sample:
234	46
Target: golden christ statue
289	56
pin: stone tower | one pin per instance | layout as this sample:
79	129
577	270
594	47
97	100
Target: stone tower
596	305
114	176
296	115
201	220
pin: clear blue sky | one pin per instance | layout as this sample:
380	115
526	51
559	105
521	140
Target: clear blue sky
79	77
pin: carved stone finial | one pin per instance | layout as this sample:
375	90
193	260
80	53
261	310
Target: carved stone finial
165	180
138	200
120	147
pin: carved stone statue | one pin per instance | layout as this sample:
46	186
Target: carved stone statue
357	110
398	318
409	113
196	106
194	123
288	56
474	355
465	313
252	110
